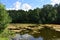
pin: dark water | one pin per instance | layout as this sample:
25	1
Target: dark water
42	34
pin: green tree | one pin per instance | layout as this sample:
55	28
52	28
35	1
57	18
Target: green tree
33	15
49	13
57	7
4	18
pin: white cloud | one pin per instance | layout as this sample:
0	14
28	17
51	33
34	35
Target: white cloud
55	2
15	6
26	7
10	9
18	5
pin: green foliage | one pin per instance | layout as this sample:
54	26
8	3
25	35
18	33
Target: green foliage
33	15
4	38
7	33
47	14
4	18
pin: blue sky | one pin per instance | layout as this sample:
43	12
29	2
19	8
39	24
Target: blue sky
27	4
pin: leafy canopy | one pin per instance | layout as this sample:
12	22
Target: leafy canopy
4	18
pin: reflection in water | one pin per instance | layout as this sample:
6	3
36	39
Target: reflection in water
26	37
45	33
49	33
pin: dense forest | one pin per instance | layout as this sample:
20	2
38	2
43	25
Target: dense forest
47	14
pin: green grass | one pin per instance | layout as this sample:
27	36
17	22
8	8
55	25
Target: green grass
5	34
4	38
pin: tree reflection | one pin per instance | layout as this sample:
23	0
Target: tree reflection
47	33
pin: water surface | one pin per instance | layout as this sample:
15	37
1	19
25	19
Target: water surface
42	34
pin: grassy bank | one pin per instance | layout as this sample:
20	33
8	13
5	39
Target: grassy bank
4	38
6	34
55	26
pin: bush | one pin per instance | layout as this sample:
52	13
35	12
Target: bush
4	18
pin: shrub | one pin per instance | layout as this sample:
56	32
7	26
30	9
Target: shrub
4	18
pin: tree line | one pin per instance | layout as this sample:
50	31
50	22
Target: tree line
47	14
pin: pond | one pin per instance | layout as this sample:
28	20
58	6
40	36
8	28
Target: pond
42	34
